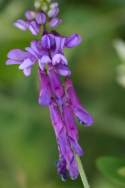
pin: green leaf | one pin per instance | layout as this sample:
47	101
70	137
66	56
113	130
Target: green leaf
113	168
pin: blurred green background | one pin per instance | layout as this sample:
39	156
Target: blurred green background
28	150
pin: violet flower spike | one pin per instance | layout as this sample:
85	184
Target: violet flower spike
55	93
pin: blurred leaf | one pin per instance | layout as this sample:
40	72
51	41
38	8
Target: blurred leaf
113	2
3	4
100	182
113	168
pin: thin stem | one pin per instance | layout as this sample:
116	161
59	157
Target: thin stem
82	173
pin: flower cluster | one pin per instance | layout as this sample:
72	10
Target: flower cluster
36	20
56	93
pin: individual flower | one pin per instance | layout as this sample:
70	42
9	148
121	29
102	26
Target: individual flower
65	150
25	60
79	111
33	22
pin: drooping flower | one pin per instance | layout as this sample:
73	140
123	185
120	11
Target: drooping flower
65	148
80	112
56	93
45	95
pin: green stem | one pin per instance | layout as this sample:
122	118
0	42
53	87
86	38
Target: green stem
82	173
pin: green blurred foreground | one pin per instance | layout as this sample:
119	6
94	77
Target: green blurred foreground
28	150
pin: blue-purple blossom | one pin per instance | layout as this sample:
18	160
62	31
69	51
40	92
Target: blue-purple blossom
60	96
80	112
45	94
35	20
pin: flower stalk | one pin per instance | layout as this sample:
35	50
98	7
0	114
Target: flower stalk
82	173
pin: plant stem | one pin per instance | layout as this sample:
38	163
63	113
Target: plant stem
82	173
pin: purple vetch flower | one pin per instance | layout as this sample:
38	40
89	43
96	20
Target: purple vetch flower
56	88
48	41
61	168
59	59
24	59
30	15
33	22
63	143
56	84
34	27
71	129
73	40
63	70
53	12
45	95
54	22
80	112
21	24
41	18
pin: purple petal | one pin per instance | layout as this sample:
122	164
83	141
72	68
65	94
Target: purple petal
69	163
41	66
55	83
48	41
26	64
72	129
71	94
59	59
84	117
39	46
44	98
30	15
63	70
56	119
45	59
55	22
31	51
73	169
45	89
70	122
27	71
54	5
76	147
60	42
17	55
53	12
61	168
12	62
34	28
41	18
60	131
73	40
21	24
34	46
